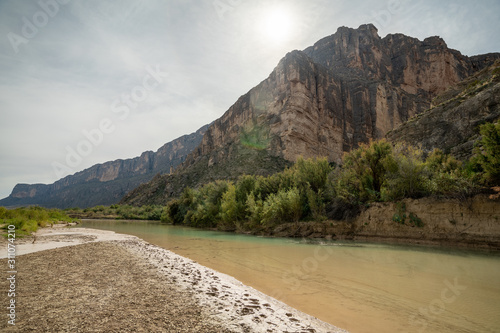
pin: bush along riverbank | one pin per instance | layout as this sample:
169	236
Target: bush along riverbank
316	190
120	212
374	194
27	220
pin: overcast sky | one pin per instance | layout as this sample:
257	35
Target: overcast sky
105	80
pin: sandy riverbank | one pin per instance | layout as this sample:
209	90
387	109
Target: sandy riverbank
75	279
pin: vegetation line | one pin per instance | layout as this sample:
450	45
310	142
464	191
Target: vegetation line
27	220
310	190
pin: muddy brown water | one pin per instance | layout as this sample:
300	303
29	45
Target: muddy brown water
360	287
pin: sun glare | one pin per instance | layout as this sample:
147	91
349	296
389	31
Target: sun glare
276	24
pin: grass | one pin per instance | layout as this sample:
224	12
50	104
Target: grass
26	220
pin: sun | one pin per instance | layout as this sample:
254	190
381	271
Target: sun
276	24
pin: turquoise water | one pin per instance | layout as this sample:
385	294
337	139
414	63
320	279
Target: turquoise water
357	286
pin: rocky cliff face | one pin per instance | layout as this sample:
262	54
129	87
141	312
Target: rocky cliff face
452	124
346	89
427	67
107	183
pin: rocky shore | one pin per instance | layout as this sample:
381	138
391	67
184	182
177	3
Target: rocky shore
85	280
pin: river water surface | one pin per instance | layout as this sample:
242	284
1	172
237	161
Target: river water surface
360	287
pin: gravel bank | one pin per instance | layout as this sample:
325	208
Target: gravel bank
117	283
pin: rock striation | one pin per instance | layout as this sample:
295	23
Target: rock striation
452	124
107	183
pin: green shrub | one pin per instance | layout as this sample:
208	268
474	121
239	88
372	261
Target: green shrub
155	213
311	173
449	176
400	215
98	209
207	205
266	186
409	177
284	206
416	221
487	153
229	209
27	220
316	204
364	172
172	213
244	186
313	189
438	161
254	209
3	212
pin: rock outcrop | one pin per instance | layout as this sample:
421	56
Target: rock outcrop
452	124
344	90
107	183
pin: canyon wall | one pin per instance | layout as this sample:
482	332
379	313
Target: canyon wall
107	183
346	89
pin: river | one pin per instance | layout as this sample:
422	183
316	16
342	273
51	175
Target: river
360	287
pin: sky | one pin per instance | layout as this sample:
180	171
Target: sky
85	82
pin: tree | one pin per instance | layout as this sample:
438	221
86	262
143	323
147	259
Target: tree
438	161
229	208
284	206
448	175
316	204
206	205
311	173
364	171
487	153
244	186
254	209
409	177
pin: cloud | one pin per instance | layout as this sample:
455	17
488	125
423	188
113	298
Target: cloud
65	78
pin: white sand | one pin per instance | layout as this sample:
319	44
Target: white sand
60	236
241	308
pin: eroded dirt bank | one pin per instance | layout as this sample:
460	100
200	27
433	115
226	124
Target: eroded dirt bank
473	222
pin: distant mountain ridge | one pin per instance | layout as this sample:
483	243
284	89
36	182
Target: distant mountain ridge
346	89
106	183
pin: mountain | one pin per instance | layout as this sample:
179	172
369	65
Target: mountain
107	183
344	90
452	123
